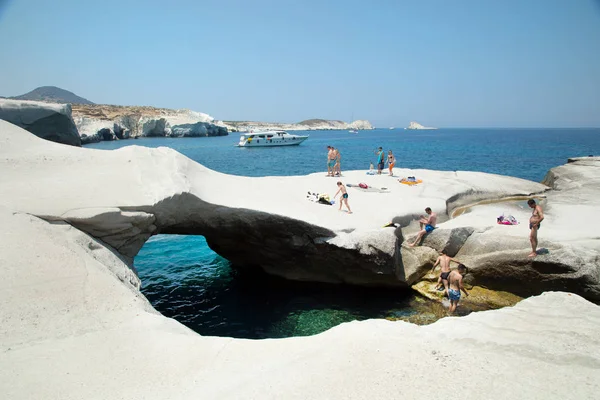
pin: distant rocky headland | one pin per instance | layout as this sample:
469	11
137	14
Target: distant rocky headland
416	125
307	125
76	120
109	122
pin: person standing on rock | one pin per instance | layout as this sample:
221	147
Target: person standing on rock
427	225
337	169
534	225
455	280
344	197
444	262
391	162
330	160
380	162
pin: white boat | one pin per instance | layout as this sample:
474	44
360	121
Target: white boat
352	131
270	139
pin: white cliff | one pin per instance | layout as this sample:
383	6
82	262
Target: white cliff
307	125
105	122
416	125
74	324
46	120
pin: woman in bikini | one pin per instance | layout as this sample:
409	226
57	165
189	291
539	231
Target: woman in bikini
391	162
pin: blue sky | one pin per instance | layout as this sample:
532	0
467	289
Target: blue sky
464	63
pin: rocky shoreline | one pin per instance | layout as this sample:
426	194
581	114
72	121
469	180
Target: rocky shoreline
106	122
73	312
308	125
80	124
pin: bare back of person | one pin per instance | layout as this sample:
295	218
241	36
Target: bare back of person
445	263
454	280
432	219
455	283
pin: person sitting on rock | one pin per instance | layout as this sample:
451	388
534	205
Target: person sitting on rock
455	279
444	262
427	224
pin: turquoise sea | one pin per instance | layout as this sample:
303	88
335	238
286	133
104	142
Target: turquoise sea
185	280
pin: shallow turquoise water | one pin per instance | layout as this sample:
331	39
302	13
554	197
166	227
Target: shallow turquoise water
185	280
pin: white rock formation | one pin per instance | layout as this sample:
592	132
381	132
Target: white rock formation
416	125
250	229
75	326
308	125
102	122
49	121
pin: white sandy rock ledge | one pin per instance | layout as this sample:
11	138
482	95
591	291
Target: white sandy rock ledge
268	223
73	324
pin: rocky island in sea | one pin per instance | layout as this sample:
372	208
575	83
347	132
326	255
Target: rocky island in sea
416	125
73	218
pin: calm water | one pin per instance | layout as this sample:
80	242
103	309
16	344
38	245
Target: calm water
185	280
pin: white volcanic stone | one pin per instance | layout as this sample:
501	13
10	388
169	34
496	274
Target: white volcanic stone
74	325
47	120
416	125
308	125
361	124
139	121
184	116
91	126
273	225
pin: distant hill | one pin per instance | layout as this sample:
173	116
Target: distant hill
311	122
52	94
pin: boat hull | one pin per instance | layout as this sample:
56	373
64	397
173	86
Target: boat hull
273	143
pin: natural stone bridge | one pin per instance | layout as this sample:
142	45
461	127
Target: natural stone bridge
123	197
69	327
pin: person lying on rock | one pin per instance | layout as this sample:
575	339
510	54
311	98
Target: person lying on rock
344	197
444	262
536	218
427	224
455	280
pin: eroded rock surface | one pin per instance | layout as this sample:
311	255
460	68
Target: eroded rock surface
74	325
142	191
46	120
98	122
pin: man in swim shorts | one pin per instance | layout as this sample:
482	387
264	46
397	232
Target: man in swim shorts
380	160
444	262
427	224
337	168
534	225
344	197
455	280
330	160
